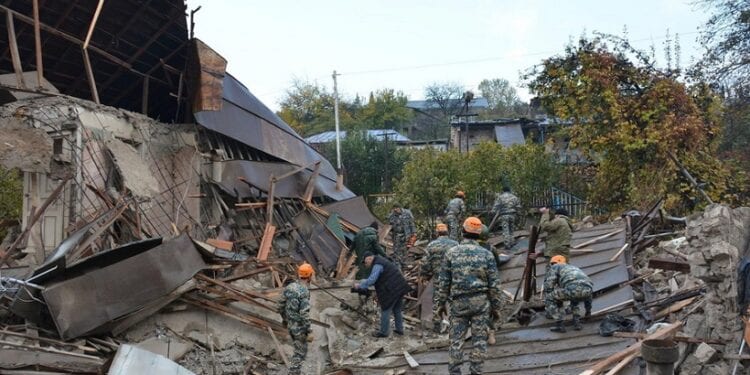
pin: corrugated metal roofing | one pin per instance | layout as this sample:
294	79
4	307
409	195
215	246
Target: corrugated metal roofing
535	349
509	135
379	134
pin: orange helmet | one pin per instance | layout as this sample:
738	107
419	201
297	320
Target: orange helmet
460	194
473	225
558	259
305	271
441	228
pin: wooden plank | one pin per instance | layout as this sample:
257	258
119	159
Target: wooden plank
597	239
669	265
307	196
13	46
220	244
678	338
410	360
265	244
622	249
616	358
90	76
278	346
38	44
93	24
677	306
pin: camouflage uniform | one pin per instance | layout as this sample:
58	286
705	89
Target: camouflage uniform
294	307
508	206
566	282
365	240
454	217
469	279
402	228
559	232
435	252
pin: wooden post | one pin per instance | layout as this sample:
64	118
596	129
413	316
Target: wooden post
93	24
13	46
90	75
307	197
689	177
144	97
38	43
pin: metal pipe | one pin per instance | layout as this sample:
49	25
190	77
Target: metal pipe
660	356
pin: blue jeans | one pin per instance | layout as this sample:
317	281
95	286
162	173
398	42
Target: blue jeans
398	316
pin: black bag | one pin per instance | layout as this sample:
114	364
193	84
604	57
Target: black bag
615	323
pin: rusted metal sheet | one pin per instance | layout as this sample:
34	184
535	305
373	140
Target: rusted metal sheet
353	210
244	118
258	174
85	303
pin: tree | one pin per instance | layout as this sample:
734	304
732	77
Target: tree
630	116
726	37
369	164
11	199
502	98
308	109
386	109
444	101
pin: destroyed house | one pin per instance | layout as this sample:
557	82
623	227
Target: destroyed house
126	129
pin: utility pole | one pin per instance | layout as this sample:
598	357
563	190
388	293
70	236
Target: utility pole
339	176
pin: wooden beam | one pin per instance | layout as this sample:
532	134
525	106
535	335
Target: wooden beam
619	252
144	96
93	24
678	338
307	197
597	239
90	76
13	45
278	346
38	44
627	353
669	265
265	243
36	216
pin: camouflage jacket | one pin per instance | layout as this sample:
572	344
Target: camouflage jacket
456	208
402	223
506	204
564	275
366	240
559	232
435	252
294	307
468	270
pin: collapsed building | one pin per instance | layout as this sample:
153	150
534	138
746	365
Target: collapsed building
164	207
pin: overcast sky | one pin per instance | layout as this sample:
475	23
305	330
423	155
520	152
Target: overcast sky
408	44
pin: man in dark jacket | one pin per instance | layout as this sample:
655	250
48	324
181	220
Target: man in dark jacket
391	286
366	240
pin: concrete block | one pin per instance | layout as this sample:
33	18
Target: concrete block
705	353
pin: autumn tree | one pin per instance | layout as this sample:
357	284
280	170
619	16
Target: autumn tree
629	116
385	109
308	108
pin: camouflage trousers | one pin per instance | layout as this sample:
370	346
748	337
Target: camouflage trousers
506	224
575	293
300	352
399	248
454	227
465	313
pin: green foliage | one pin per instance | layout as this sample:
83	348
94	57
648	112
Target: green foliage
369	164
431	178
630	116
502	98
386	109
11	199
308	109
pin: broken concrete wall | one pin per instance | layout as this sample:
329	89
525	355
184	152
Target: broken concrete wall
718	239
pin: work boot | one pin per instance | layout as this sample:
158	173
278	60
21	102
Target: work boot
588	314
378	334
559	327
577	323
491	337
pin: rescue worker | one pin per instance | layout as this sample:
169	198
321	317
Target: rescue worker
454	215
294	307
559	232
403	232
390	286
366	240
470	283
566	282
506	207
431	266
483	242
